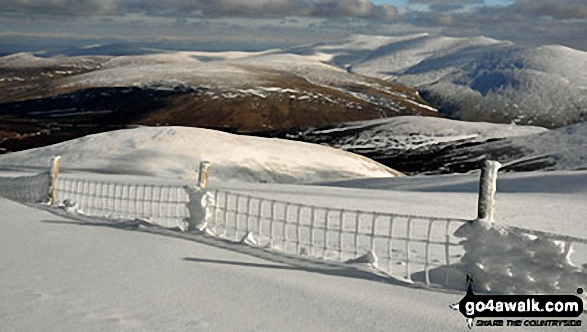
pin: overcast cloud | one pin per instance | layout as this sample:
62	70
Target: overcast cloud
532	22
238	8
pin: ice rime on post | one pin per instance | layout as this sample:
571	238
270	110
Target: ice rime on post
487	190
201	201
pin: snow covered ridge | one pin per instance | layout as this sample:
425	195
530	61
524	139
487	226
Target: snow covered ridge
412	132
220	71
476	79
416	145
175	152
262	92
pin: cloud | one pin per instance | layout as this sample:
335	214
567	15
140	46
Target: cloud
560	9
74	7
520	10
447	2
353	8
207	8
533	22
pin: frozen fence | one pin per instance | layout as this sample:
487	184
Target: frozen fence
164	205
29	188
403	244
430	250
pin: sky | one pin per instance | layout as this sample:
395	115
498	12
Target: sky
260	24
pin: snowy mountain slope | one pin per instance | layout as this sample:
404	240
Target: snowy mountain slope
248	92
177	151
403	53
415	128
415	145
431	145
565	146
477	79
541	86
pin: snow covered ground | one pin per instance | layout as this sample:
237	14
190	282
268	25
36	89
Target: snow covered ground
175	152
124	277
119	280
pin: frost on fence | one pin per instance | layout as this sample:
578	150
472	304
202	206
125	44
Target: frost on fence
408	247
200	207
29	189
509	260
164	205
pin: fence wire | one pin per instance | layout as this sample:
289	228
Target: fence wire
164	205
32	188
406	246
574	248
415	248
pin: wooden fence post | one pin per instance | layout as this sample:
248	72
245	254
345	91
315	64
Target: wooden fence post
487	190
204	174
54	176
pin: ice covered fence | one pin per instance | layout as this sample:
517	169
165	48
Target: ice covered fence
118	198
510	260
406	246
26	188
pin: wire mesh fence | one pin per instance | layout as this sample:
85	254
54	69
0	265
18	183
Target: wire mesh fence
415	248
405	245
30	188
164	205
574	248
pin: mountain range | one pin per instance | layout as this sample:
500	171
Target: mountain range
473	78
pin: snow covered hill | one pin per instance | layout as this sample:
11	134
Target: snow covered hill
477	79
247	92
177	151
416	145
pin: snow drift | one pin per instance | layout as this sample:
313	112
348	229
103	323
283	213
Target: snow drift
176	152
512	261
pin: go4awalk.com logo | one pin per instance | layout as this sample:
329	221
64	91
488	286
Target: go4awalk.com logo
536	310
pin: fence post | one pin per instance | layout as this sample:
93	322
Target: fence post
54	178
204	174
201	201
487	189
